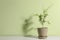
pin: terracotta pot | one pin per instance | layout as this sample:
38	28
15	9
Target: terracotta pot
42	32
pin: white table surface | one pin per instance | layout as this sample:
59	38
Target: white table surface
27	38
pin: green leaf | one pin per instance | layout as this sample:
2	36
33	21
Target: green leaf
40	17
45	15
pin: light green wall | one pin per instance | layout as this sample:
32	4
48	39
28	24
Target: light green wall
13	13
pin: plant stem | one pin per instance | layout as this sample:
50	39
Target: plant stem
42	25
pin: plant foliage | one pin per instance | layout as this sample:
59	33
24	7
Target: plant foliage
42	17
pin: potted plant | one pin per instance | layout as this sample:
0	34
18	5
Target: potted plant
42	32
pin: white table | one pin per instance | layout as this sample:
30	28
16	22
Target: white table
27	38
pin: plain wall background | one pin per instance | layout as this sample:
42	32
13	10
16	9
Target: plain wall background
13	13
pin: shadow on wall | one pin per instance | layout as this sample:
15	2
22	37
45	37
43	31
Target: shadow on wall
26	26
